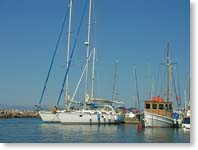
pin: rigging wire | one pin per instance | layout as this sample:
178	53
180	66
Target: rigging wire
163	84
52	61
174	86
177	92
94	74
115	92
158	74
79	81
94	23
71	55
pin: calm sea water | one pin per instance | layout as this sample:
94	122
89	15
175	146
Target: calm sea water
36	131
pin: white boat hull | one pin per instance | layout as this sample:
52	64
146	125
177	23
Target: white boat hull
186	122
186	126
154	120
78	117
48	116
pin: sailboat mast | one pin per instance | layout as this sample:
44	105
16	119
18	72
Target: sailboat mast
88	45
94	55
185	106
152	87
114	82
168	72
68	53
93	72
136	83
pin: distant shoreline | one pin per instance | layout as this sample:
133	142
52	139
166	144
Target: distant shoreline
10	113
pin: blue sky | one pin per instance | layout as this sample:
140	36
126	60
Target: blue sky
135	32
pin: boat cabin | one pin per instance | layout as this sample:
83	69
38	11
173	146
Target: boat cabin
159	106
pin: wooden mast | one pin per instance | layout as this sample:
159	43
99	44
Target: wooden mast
168	63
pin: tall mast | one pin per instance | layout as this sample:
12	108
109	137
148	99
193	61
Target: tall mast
94	54
150	81
136	83
68	53
114	93
168	63
152	87
185	106
189	89
93	72
88	45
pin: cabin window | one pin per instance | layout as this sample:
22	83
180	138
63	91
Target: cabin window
166	106
148	106
154	106
170	107
161	106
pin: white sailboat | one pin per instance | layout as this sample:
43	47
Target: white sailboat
52	116
186	119
157	112
104	110
49	116
134	117
103	113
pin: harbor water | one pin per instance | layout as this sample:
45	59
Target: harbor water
33	130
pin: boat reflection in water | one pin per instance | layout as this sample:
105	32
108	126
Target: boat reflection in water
123	133
158	135
80	133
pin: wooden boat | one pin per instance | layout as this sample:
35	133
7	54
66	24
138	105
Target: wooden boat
158	113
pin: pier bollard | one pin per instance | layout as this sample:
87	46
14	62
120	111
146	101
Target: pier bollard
139	127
